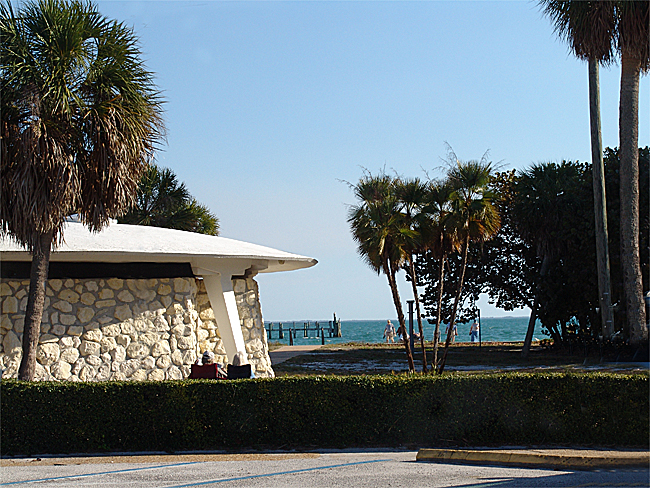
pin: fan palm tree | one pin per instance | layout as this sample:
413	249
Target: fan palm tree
540	199
416	234
163	202
203	221
474	219
589	27
444	240
375	223
634	48
81	117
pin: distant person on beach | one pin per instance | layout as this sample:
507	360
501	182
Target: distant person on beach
389	332
473	331
454	333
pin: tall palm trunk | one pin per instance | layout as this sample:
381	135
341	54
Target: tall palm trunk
600	204
629	181
417	311
35	303
452	320
390	273
436	332
546	262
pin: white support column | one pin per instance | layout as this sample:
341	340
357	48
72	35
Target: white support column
222	299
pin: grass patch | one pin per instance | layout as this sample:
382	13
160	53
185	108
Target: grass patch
275	345
357	358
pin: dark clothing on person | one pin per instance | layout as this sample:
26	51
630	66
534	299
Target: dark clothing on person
237	372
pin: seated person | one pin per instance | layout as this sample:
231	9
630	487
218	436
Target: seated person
240	367
205	367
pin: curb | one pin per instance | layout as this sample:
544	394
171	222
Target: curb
551	458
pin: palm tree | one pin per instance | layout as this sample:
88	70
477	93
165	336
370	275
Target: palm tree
444	241
540	199
589	27
163	202
473	216
203	221
416	234
633	45
81	117
375	223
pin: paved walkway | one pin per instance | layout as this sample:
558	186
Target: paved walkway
546	458
283	353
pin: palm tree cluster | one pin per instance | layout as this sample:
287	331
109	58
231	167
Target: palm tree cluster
397	218
544	255
162	201
81	117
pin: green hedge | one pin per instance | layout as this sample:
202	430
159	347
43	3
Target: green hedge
355	411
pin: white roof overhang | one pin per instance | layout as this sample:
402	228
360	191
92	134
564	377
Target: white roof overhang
121	243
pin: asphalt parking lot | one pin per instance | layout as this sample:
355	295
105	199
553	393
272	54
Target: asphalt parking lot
324	469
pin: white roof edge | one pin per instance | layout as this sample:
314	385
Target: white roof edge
133	243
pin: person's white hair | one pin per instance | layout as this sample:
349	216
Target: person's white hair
239	359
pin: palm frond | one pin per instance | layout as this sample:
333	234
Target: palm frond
588	27
634	31
81	117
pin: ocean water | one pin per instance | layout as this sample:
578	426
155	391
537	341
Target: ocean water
501	329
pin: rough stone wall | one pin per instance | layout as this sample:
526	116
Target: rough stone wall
250	318
114	329
250	315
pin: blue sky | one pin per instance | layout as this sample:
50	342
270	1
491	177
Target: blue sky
272	105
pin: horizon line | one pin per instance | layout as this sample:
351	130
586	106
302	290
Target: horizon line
392	319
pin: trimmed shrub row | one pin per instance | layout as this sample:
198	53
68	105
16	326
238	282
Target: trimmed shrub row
337	412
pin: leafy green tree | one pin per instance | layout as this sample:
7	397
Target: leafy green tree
589	27
569	291
81	117
376	224
569	307
164	202
439	306
545	195
504	267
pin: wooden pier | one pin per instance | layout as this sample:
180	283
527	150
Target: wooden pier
305	330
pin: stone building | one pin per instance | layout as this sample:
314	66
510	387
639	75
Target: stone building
139	303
